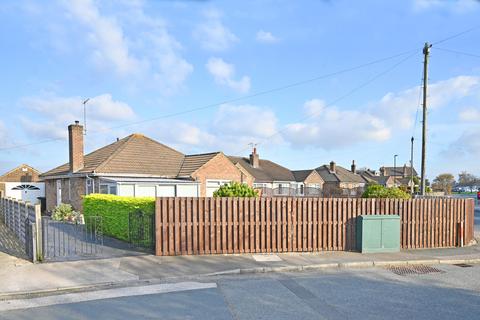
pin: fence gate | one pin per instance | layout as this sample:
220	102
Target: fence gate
68	240
141	229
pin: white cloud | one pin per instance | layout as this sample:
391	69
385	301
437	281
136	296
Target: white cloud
49	116
224	74
331	128
470	115
182	135
249	121
228	132
106	36
398	109
151	53
466	146
459	6
212	34
266	37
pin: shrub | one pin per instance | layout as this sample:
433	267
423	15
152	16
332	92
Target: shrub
379	191
65	212
235	189
115	210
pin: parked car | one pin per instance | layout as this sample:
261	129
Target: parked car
478	195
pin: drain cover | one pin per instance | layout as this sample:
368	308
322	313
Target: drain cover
413	269
463	265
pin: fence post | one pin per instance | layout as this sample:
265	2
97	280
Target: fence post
38	234
33	241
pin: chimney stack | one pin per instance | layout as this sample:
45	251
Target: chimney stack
382	171
354	167
404	170
254	159
75	144
333	166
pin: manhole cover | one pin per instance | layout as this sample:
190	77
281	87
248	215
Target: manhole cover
413	269
463	265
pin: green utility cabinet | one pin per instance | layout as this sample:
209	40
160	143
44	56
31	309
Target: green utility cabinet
378	233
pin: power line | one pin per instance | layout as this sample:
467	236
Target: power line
458	52
295	84
245	97
349	93
456	35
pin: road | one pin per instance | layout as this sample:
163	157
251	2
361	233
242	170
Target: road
374	293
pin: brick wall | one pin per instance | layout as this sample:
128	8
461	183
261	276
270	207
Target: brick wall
314	177
19	175
72	191
218	168
51	194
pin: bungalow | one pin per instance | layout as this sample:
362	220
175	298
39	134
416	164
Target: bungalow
340	181
22	183
275	180
372	176
400	175
135	166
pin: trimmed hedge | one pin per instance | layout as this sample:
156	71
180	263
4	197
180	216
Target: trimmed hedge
114	211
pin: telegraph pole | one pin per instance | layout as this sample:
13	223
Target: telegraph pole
412	186
426	52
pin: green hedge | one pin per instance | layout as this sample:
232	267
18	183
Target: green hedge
114	211
379	191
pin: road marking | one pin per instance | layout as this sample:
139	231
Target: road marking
103	294
266	257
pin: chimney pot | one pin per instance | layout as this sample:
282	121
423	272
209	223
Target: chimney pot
354	167
254	158
333	166
75	145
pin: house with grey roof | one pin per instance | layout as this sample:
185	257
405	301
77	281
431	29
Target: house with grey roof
372	176
339	181
273	179
401	175
135	166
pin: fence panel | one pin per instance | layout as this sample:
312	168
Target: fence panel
288	224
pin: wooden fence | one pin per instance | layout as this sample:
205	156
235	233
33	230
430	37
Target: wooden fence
247	225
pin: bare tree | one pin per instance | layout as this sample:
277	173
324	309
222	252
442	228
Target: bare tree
444	182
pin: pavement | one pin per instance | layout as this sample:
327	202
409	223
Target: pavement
439	292
19	279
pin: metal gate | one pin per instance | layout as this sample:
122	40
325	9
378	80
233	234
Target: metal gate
69	240
141	229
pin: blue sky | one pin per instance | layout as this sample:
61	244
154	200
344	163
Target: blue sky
143	60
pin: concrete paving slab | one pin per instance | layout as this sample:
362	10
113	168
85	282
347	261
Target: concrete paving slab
266	257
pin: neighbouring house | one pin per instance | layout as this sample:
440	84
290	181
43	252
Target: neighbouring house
339	181
22	183
273	179
135	166
401	176
372	176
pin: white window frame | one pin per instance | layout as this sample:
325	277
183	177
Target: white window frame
92	185
109	188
